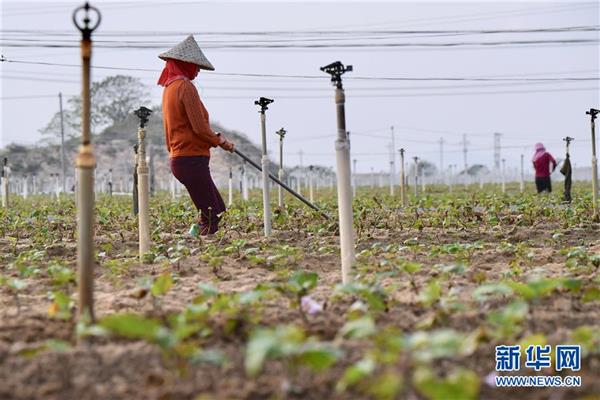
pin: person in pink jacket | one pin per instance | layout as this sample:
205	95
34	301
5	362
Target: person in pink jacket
541	162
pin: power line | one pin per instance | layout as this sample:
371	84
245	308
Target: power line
322	77
234	46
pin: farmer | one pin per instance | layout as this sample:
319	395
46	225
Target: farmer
541	162
188	134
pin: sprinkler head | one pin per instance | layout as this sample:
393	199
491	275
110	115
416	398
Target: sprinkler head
336	70
263	102
593	112
143	114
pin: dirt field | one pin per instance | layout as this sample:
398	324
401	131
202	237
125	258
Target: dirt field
423	325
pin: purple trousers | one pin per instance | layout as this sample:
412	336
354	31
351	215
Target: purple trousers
194	173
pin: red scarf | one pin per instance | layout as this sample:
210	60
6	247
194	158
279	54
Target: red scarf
176	69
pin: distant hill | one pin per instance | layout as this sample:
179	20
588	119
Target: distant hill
114	149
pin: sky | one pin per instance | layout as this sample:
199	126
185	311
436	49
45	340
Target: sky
515	103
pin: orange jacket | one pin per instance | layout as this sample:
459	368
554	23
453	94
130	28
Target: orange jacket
187	129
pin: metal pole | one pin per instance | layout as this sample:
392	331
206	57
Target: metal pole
5	177
143	114
263	102
344	189
403	197
593	113
86	162
281	134
522	183
62	145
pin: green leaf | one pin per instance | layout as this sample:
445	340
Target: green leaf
359	328
591	294
355	373
460	384
208	290
318	357
162	284
489	290
131	326
386	386
431	293
302	282
262	342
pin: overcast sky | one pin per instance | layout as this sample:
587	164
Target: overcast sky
421	111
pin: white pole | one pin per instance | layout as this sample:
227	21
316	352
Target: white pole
354	178
522	182
403	197
143	185
281	134
263	102
5	179
344	187
310	184
244	182
392	164
62	145
592	113
416	176
503	177
25	187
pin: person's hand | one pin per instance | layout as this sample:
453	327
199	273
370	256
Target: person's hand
226	144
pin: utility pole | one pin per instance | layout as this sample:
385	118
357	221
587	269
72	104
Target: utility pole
593	115
263	102
342	147
403	197
62	145
465	145
392	163
281	134
86	163
143	114
497	137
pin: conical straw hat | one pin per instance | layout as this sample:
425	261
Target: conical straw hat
188	51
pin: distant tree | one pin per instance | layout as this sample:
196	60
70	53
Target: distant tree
476	169
71	124
112	100
425	167
116	97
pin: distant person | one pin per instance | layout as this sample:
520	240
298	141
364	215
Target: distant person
188	135
541	162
